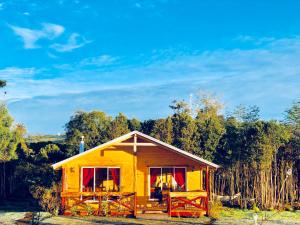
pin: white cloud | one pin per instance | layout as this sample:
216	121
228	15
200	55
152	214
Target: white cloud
267	75
52	30
102	60
16	72
30	36
75	41
1	6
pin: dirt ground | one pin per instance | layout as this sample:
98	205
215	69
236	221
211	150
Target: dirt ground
7	218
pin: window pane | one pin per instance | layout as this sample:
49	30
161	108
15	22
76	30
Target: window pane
101	179
167	174
114	179
88	179
180	179
155	182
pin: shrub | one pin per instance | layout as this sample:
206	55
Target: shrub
255	208
288	207
74	210
48	198
215	209
89	209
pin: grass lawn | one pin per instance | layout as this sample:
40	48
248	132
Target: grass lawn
227	216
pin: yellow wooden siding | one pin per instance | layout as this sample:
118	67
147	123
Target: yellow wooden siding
109	157
123	157
158	156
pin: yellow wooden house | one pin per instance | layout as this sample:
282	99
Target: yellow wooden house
136	173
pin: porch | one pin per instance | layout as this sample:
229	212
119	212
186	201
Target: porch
174	204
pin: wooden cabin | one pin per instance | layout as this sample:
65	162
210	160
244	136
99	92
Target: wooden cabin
136	173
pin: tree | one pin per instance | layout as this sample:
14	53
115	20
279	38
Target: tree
246	114
134	124
210	126
147	126
46	152
11	137
94	126
162	130
184	127
118	127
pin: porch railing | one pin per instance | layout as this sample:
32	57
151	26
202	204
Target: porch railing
102	203
190	204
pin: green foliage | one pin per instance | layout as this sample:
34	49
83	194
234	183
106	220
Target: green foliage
92	125
11	136
162	130
74	210
184	127
210	126
246	114
215	209
293	114
147	126
48	198
47	151
89	209
134	124
118	127
255	208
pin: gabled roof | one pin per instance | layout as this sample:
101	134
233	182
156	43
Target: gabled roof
129	135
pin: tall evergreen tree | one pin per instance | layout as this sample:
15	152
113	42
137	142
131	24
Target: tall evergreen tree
11	137
184	127
163	129
134	124
118	127
210	126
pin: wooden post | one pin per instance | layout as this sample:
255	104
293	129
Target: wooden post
100	204
135	207
169	204
63	199
207	187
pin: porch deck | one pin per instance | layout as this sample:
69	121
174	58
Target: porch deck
188	204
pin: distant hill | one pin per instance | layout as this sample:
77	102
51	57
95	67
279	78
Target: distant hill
45	138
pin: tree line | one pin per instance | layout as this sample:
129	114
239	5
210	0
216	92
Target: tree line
260	159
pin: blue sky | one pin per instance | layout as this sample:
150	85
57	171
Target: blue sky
137	56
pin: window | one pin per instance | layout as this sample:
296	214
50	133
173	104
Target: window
166	179
96	179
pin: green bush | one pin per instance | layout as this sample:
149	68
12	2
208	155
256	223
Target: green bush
48	198
255	208
89	209
74	210
215	209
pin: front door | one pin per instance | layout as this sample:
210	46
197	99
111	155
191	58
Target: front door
162	180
